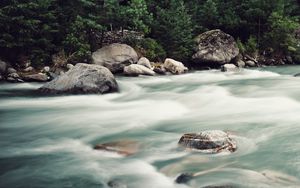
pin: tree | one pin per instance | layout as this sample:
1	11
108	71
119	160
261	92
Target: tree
28	29
173	29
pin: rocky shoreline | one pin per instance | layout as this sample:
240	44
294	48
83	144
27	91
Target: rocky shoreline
215	49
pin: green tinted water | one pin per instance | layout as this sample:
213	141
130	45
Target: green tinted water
48	141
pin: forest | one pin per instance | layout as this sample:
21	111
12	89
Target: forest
35	30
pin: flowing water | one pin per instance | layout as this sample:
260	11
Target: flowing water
48	141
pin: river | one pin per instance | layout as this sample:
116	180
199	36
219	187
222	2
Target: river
48	141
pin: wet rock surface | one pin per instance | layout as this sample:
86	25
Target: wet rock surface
215	141
125	147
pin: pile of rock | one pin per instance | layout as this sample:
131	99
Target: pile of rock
123	59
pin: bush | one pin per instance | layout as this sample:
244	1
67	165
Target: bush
148	47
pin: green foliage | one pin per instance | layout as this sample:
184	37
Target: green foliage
281	35
173	29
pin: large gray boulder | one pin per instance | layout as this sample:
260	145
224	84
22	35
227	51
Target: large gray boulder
115	57
215	47
136	70
214	141
82	79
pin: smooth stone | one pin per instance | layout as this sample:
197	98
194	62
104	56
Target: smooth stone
145	62
3	67
70	66
82	79
229	68
136	70
11	70
241	63
28	69
250	63
46	69
175	67
184	178
115	57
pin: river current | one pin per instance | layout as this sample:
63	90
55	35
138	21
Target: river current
48	141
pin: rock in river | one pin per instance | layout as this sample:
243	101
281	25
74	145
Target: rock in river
115	57
125	147
82	79
229	68
215	141
136	70
175	67
40	77
215	47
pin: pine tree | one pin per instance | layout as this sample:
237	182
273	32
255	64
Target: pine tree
173	29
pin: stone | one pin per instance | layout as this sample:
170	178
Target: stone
136	70
28	69
229	68
145	62
241	63
125	147
116	184
184	178
82	79
215	47
3	67
297	75
46	69
11	70
214	141
115	57
175	67
40	77
14	77
70	66
250	63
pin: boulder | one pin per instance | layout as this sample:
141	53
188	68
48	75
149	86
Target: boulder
82	79
250	63
215	47
208	141
14	77
175	67
28	69
125	147
136	70
40	77
115	57
11	70
69	66
241	63
229	68
145	62
3	67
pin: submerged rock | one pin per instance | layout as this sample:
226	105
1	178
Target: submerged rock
215	47
175	67
136	70
125	147
116	184
208	141
229	68
115	57
184	178
297	75
82	79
